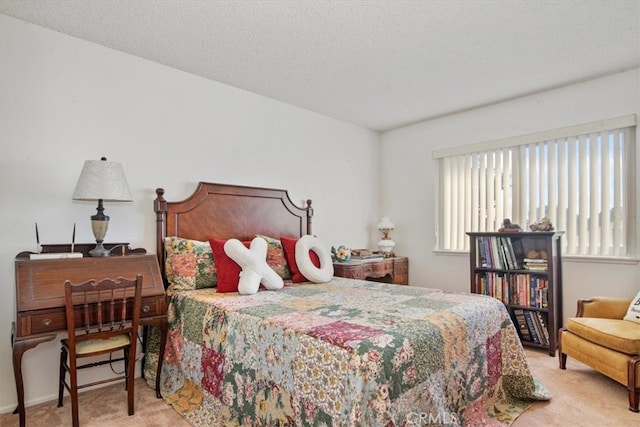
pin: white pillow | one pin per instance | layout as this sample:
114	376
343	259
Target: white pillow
633	313
312	273
253	262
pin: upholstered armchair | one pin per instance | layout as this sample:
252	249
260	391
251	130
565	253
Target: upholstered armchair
600	338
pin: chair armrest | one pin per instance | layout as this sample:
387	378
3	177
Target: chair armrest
603	307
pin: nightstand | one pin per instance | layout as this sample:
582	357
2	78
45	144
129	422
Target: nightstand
388	270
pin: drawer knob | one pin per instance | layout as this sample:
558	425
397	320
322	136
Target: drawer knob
146	309
46	322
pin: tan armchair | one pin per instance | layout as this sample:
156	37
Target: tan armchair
599	338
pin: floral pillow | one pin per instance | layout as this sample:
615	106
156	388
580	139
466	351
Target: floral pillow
189	264
276	258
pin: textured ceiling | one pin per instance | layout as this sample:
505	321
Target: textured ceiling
377	64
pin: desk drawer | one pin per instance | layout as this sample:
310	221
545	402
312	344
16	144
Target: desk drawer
378	269
347	271
53	320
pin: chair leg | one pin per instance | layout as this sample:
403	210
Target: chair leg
126	367
562	358
73	391
131	367
632	380
633	400
61	378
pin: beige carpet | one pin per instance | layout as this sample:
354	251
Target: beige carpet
580	397
103	407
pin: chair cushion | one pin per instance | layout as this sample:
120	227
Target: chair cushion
616	334
91	346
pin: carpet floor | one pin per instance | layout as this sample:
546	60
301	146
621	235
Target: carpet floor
581	397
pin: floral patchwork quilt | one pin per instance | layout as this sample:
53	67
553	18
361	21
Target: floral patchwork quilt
344	353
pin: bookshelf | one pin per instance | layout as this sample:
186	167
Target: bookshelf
524	271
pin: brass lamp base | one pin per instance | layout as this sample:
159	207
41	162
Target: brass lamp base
99	225
99	250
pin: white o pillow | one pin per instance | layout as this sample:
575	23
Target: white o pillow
305	265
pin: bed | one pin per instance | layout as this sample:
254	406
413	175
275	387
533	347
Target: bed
344	352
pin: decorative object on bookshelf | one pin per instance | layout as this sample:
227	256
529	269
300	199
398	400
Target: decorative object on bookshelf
509	227
523	270
342	254
543	225
101	180
386	245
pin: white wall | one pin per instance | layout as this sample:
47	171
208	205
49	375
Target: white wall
409	189
63	101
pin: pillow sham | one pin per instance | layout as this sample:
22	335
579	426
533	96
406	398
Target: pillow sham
289	247
188	264
276	258
228	271
633	312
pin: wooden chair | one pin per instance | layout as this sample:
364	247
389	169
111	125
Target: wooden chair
106	321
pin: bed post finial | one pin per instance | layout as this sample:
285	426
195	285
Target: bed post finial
309	210
160	207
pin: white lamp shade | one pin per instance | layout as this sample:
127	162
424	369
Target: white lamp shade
102	179
386	224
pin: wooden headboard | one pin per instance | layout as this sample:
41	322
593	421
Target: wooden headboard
225	211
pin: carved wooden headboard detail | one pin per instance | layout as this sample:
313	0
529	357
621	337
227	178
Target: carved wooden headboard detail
225	211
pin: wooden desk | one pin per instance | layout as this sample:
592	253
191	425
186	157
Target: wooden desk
389	270
40	301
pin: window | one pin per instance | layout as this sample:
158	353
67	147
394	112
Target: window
581	177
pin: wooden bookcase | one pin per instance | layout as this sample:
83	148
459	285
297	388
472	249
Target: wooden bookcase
504	266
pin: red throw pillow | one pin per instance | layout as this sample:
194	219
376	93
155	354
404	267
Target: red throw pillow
227	269
289	247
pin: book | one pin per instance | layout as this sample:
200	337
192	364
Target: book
487	251
518	251
482	255
539	327
512	256
543	327
369	256
522	324
531	326
536	267
535	264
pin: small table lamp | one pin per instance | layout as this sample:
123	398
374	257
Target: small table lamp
101	180
386	245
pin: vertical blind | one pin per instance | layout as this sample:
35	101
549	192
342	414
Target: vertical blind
583	182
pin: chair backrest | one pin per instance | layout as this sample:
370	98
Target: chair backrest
103	308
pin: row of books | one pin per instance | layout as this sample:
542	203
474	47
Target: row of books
528	290
499	252
532	326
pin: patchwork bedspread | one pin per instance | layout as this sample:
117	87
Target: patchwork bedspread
343	353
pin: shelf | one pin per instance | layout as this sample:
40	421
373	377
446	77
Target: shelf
496	261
